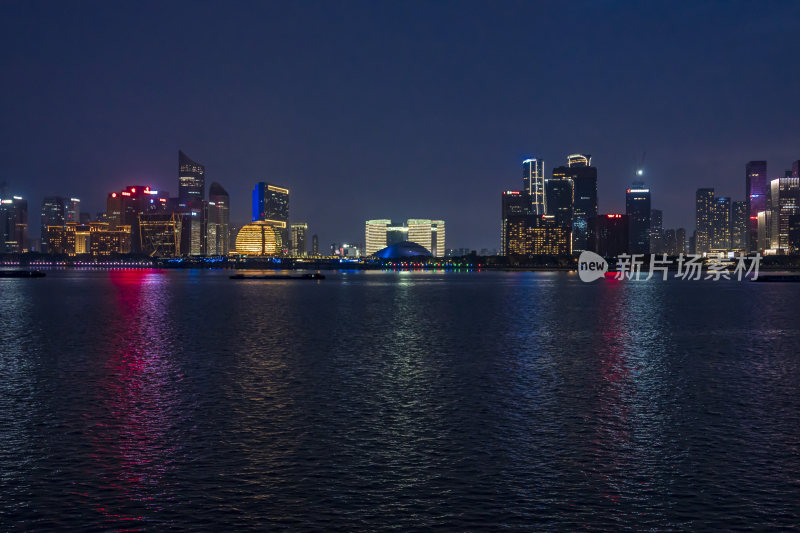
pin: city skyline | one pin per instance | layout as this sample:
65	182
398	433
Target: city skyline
332	103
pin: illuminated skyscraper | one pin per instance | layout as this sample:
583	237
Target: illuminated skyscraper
704	204
533	185
740	227
720	229
514	203
584	208
218	230
123	209
637	207
784	205
756	197
191	182
53	211
13	224
73	210
560	196
270	202
657	232
298	244
314	245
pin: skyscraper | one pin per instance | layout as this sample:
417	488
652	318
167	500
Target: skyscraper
123	209
191	182
560	196
533	185
513	203
584	208
657	232
637	207
298	243
270	202
314	245
704	203
740	227
73	210
756	197
720	229
53	214
784	205
218	220
13	224
612	235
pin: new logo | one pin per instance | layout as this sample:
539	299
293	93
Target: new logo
591	266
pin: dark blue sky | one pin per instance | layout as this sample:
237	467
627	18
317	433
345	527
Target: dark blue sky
396	110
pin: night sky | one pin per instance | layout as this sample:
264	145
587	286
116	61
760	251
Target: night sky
395	110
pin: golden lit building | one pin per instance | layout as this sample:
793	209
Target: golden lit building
261	237
94	238
160	234
537	235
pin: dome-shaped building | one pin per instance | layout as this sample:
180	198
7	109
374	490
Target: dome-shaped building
402	250
259	238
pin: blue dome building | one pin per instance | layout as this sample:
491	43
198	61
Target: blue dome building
402	250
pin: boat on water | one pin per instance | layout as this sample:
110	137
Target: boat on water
21	274
280	276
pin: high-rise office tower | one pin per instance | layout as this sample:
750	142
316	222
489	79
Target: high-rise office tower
218	220
298	243
740	226
123	209
637	207
13	224
559	198
657	232
270	202
584	208
612	235
191	182
513	203
720	229
53	214
756	197
704	204
73	210
533	184
315	245
784	205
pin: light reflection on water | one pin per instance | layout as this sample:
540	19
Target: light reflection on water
151	399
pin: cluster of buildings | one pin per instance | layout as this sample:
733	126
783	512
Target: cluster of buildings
559	216
142	220
427	233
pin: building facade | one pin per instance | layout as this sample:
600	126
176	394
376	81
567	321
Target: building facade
218	229
637	207
756	194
